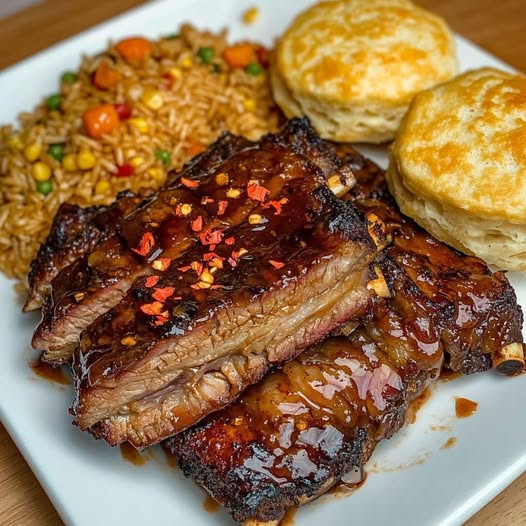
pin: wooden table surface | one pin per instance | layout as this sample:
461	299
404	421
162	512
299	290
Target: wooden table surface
497	26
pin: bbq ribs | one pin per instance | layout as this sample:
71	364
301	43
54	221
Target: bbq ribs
245	259
295	434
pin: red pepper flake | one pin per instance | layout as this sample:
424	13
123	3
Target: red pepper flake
195	286
221	207
145	244
214	287
212	255
160	320
230	240
161	263
276	205
236	254
188	182
207	200
162	294
256	192
197	224
233	262
198	267
151	281
212	247
276	264
153	309
211	237
185	268
178	211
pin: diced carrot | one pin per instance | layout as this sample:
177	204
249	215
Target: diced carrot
106	77
134	49
239	55
194	147
100	120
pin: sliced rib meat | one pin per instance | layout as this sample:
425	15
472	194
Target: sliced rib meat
101	277
291	437
291	273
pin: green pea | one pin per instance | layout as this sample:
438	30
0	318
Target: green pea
56	151
68	77
206	54
253	69
45	187
53	102
172	36
163	156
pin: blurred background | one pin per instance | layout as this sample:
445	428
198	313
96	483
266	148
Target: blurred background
498	27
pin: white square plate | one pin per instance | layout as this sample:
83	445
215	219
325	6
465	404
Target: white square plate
412	480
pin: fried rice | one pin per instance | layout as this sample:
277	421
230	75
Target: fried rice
181	98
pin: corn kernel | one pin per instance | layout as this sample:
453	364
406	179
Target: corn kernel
249	104
41	171
255	219
251	15
141	124
69	163
14	142
136	161
128	341
157	174
204	285
233	193
186	209
32	151
242	251
102	187
175	73
187	62
152	98
85	160
222	179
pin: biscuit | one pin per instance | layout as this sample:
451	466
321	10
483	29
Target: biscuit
353	66
458	165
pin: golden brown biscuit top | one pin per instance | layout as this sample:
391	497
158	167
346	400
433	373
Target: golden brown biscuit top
464	144
374	50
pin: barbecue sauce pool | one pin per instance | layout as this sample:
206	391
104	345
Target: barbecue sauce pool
465	407
131	455
50	373
210	504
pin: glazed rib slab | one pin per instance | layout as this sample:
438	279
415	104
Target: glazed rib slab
104	269
290	438
277	266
